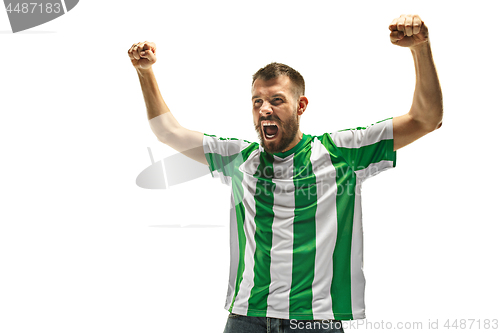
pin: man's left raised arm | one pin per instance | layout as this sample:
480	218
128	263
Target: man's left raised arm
426	112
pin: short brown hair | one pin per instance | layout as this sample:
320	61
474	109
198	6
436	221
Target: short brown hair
274	69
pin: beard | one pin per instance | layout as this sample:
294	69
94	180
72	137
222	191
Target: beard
287	130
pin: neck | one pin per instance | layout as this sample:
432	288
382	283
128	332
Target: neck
295	141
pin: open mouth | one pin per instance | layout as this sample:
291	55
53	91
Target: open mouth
270	129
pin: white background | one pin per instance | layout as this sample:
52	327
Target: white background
83	249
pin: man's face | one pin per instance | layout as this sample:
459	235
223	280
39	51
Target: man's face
275	114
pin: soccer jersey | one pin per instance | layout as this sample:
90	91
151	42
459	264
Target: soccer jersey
296	236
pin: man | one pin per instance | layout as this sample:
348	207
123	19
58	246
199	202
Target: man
296	233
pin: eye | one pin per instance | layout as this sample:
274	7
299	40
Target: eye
277	100
257	101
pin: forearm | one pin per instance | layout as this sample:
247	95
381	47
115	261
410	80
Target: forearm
154	101
162	126
427	106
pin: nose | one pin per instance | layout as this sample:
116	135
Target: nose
265	109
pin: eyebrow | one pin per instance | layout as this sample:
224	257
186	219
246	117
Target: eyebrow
275	95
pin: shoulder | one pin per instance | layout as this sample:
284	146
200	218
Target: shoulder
360	136
226	146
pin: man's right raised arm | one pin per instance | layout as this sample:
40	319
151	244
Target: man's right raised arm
166	128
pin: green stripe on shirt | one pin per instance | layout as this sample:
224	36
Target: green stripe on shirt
304	235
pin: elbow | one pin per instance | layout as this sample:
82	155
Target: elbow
432	126
437	122
164	128
428	113
160	135
430	120
159	138
166	137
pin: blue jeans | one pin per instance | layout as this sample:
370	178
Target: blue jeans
246	324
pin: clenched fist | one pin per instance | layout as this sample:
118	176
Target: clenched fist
143	55
408	31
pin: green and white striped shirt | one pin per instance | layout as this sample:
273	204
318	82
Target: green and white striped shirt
296	236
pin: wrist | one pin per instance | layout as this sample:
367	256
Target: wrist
144	71
422	47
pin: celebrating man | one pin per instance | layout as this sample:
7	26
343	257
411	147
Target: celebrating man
295	222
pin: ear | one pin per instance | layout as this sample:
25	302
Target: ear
302	105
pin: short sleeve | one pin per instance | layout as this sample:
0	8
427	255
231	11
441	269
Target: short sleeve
224	155
368	150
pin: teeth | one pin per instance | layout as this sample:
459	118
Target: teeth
268	123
